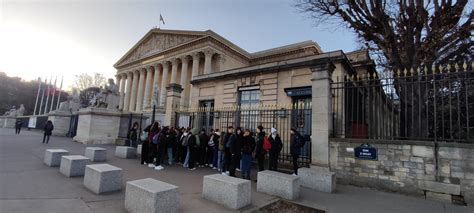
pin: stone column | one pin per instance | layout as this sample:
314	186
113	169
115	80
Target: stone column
126	103
184	81
122	91
174	70
156	82
319	175
195	70
172	103
141	84
133	97
164	83
148	82
208	61
321	113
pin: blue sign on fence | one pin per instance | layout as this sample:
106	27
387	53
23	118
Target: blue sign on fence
365	152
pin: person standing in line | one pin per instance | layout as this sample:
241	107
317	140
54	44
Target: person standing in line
277	146
193	145
259	151
215	138
221	151
204	139
235	150
18	125
153	141
227	143
145	145
132	135
160	148
48	131
296	144
171	142
248	145
179	147
185	141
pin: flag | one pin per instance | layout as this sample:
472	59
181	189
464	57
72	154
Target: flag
161	19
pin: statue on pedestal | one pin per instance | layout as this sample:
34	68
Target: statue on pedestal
72	103
13	112
108	97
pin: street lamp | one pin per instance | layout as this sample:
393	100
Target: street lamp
154	101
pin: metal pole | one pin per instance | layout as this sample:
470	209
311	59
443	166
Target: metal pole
54	92
42	97
153	115
37	95
47	97
59	94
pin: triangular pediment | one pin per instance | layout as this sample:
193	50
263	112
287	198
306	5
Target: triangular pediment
157	41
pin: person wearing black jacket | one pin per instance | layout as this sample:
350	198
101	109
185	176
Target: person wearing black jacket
259	151
132	135
18	124
274	152
193	146
295	143
225	150
160	148
171	144
203	138
247	147
235	149
48	130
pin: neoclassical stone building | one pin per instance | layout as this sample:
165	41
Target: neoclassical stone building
177	69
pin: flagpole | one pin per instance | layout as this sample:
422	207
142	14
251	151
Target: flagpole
47	96
59	95
54	92
37	95
42	96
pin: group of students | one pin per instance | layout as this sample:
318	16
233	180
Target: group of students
227	152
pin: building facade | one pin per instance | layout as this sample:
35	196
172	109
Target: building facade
179	70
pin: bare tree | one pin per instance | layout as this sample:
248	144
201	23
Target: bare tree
84	81
407	33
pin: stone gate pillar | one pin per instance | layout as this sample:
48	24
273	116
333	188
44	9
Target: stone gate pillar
319	175
172	103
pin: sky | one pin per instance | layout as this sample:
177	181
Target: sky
42	38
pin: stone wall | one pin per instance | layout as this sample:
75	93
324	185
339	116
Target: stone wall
414	167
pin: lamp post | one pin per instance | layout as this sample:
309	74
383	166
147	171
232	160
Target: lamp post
154	101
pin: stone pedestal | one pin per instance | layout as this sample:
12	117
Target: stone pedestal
73	165
101	178
318	178
231	192
98	126
172	103
96	154
7	122
52	157
61	122
150	195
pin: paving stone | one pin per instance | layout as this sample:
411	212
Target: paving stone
278	184
96	154
125	152
73	165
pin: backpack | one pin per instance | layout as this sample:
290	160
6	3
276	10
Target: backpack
184	140
156	139
266	144
211	142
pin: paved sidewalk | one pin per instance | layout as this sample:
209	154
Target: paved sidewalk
27	185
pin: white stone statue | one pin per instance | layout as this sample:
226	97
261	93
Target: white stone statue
13	112
108	97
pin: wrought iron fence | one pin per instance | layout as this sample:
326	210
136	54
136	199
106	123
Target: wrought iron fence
434	104
281	119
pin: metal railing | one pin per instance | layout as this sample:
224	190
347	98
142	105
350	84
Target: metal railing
433	104
281	119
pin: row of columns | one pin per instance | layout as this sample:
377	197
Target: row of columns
139	86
